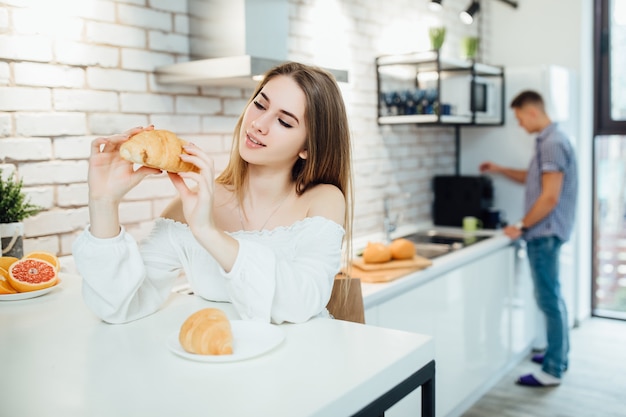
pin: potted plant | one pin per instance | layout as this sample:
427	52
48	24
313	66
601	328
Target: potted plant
14	208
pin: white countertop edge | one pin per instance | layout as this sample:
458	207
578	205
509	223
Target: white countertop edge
411	362
378	293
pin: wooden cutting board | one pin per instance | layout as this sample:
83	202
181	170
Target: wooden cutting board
387	271
417	262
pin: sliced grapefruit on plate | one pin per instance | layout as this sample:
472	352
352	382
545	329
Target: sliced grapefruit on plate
7	261
31	274
45	256
5	287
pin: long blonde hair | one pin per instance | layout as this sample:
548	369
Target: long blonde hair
327	140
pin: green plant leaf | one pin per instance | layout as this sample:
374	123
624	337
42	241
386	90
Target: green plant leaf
14	206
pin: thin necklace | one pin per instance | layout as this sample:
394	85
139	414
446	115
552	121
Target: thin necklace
268	218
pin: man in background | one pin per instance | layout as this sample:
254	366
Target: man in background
551	184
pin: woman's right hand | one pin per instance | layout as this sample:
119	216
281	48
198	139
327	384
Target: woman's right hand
110	176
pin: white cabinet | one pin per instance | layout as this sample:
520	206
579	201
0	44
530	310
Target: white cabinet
472	313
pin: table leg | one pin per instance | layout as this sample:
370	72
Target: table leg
425	378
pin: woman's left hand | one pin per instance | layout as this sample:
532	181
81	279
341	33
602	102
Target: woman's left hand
197	201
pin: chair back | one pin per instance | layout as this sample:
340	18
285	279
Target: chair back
346	300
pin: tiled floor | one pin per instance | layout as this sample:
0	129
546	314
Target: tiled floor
594	385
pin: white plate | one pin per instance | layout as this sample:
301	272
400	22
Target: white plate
250	339
26	295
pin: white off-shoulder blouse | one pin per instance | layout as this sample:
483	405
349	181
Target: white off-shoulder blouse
280	275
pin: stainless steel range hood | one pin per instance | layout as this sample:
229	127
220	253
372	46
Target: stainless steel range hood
233	43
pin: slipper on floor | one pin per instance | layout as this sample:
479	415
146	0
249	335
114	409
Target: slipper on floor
545	380
538	358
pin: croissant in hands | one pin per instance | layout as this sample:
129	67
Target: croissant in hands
156	149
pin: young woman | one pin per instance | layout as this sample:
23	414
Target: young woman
266	235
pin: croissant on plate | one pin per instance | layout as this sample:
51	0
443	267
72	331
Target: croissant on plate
207	332
156	149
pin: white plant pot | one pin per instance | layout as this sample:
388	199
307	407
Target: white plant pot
11	236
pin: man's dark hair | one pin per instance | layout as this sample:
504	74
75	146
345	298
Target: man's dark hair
528	97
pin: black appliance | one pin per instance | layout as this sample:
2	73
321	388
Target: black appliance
457	196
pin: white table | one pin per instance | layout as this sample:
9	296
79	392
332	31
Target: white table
58	359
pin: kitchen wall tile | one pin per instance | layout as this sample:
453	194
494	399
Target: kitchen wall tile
72	147
85	54
44	243
25	98
219	124
135	211
169	5
5	73
117	80
55	222
181	23
233	92
198	105
40	196
155	87
4	20
136	2
146	103
170	42
139	59
48	75
85	100
26	48
156	187
113	34
28	21
6	124
144	17
181	124
50	124
110	123
72	195
234	107
54	172
26	149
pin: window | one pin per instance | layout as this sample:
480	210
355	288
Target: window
609	162
610	67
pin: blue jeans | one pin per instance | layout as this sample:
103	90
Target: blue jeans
543	255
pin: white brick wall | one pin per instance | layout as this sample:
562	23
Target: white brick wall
91	74
46	75
6	125
5	73
24	98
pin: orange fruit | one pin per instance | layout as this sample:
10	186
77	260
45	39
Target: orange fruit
30	274
5	287
6	261
45	256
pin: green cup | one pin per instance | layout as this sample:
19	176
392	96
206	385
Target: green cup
469	46
471	223
437	36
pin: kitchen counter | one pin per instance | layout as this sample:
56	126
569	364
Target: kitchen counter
479	307
378	293
59	359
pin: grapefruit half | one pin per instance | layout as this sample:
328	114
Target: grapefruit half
45	256
30	274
